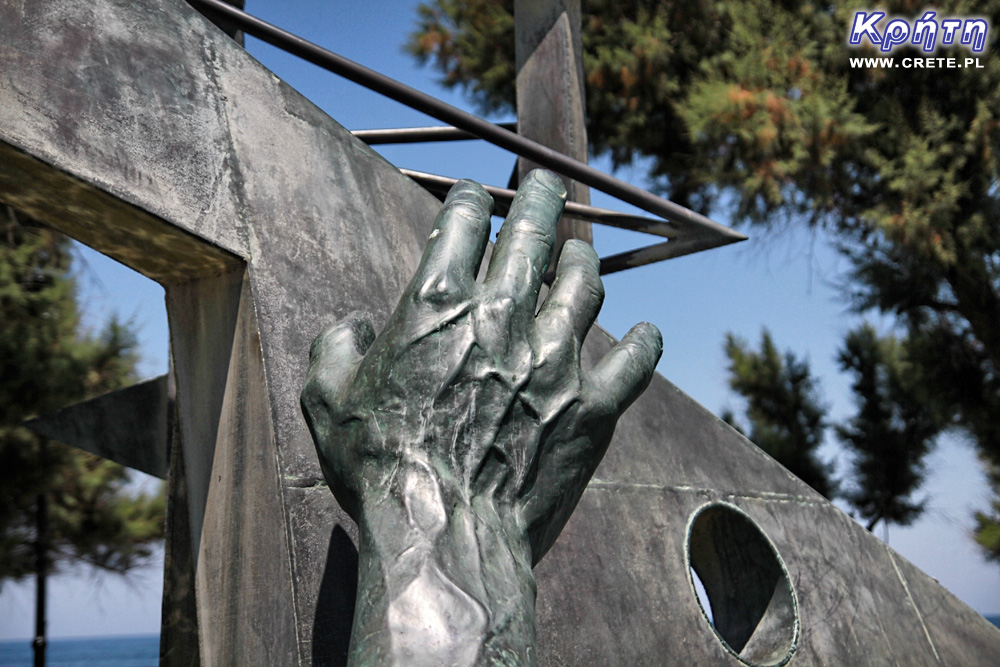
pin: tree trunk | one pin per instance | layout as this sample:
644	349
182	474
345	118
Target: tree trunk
41	573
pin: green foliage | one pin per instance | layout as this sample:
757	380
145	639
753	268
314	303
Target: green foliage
473	44
640	58
753	104
988	523
892	431
46	362
783	408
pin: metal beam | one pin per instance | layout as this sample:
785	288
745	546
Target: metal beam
417	135
502	197
550	95
128	426
542	155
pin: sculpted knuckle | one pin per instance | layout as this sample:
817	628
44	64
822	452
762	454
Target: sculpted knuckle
464	207
316	411
438	287
497	306
597	291
534	229
560	320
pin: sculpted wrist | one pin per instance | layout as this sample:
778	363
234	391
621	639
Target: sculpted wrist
451	572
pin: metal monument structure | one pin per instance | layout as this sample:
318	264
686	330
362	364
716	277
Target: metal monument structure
143	130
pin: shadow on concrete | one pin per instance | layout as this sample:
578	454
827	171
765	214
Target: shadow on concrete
331	637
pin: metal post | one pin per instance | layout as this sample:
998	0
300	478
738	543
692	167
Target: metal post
41	573
550	93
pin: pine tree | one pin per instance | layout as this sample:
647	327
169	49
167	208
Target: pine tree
46	362
892	432
785	415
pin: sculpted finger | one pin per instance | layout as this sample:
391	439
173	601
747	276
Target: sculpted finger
524	246
455	248
627	369
576	295
333	359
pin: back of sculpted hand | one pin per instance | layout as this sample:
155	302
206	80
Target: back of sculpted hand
463	435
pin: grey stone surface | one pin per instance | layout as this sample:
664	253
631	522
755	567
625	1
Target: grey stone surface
859	603
141	129
179	643
98	217
246	595
202	315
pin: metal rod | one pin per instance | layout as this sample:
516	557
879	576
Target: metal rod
414	135
439	186
446	113
683	245
677	246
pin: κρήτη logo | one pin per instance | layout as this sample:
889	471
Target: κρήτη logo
928	32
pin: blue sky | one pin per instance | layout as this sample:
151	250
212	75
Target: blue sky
787	281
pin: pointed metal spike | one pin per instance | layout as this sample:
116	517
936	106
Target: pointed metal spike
128	426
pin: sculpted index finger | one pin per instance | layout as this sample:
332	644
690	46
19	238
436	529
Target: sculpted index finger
526	239
457	243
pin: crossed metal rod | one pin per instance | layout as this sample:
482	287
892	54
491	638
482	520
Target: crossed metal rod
682	218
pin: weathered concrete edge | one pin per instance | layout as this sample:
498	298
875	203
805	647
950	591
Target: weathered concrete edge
96	216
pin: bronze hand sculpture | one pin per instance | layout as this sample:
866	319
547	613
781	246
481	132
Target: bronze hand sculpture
462	436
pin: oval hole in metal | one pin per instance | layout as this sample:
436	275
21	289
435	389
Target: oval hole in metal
752	604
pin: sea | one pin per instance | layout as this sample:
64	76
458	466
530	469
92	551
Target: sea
130	651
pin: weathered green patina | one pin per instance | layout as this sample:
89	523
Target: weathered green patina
462	437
